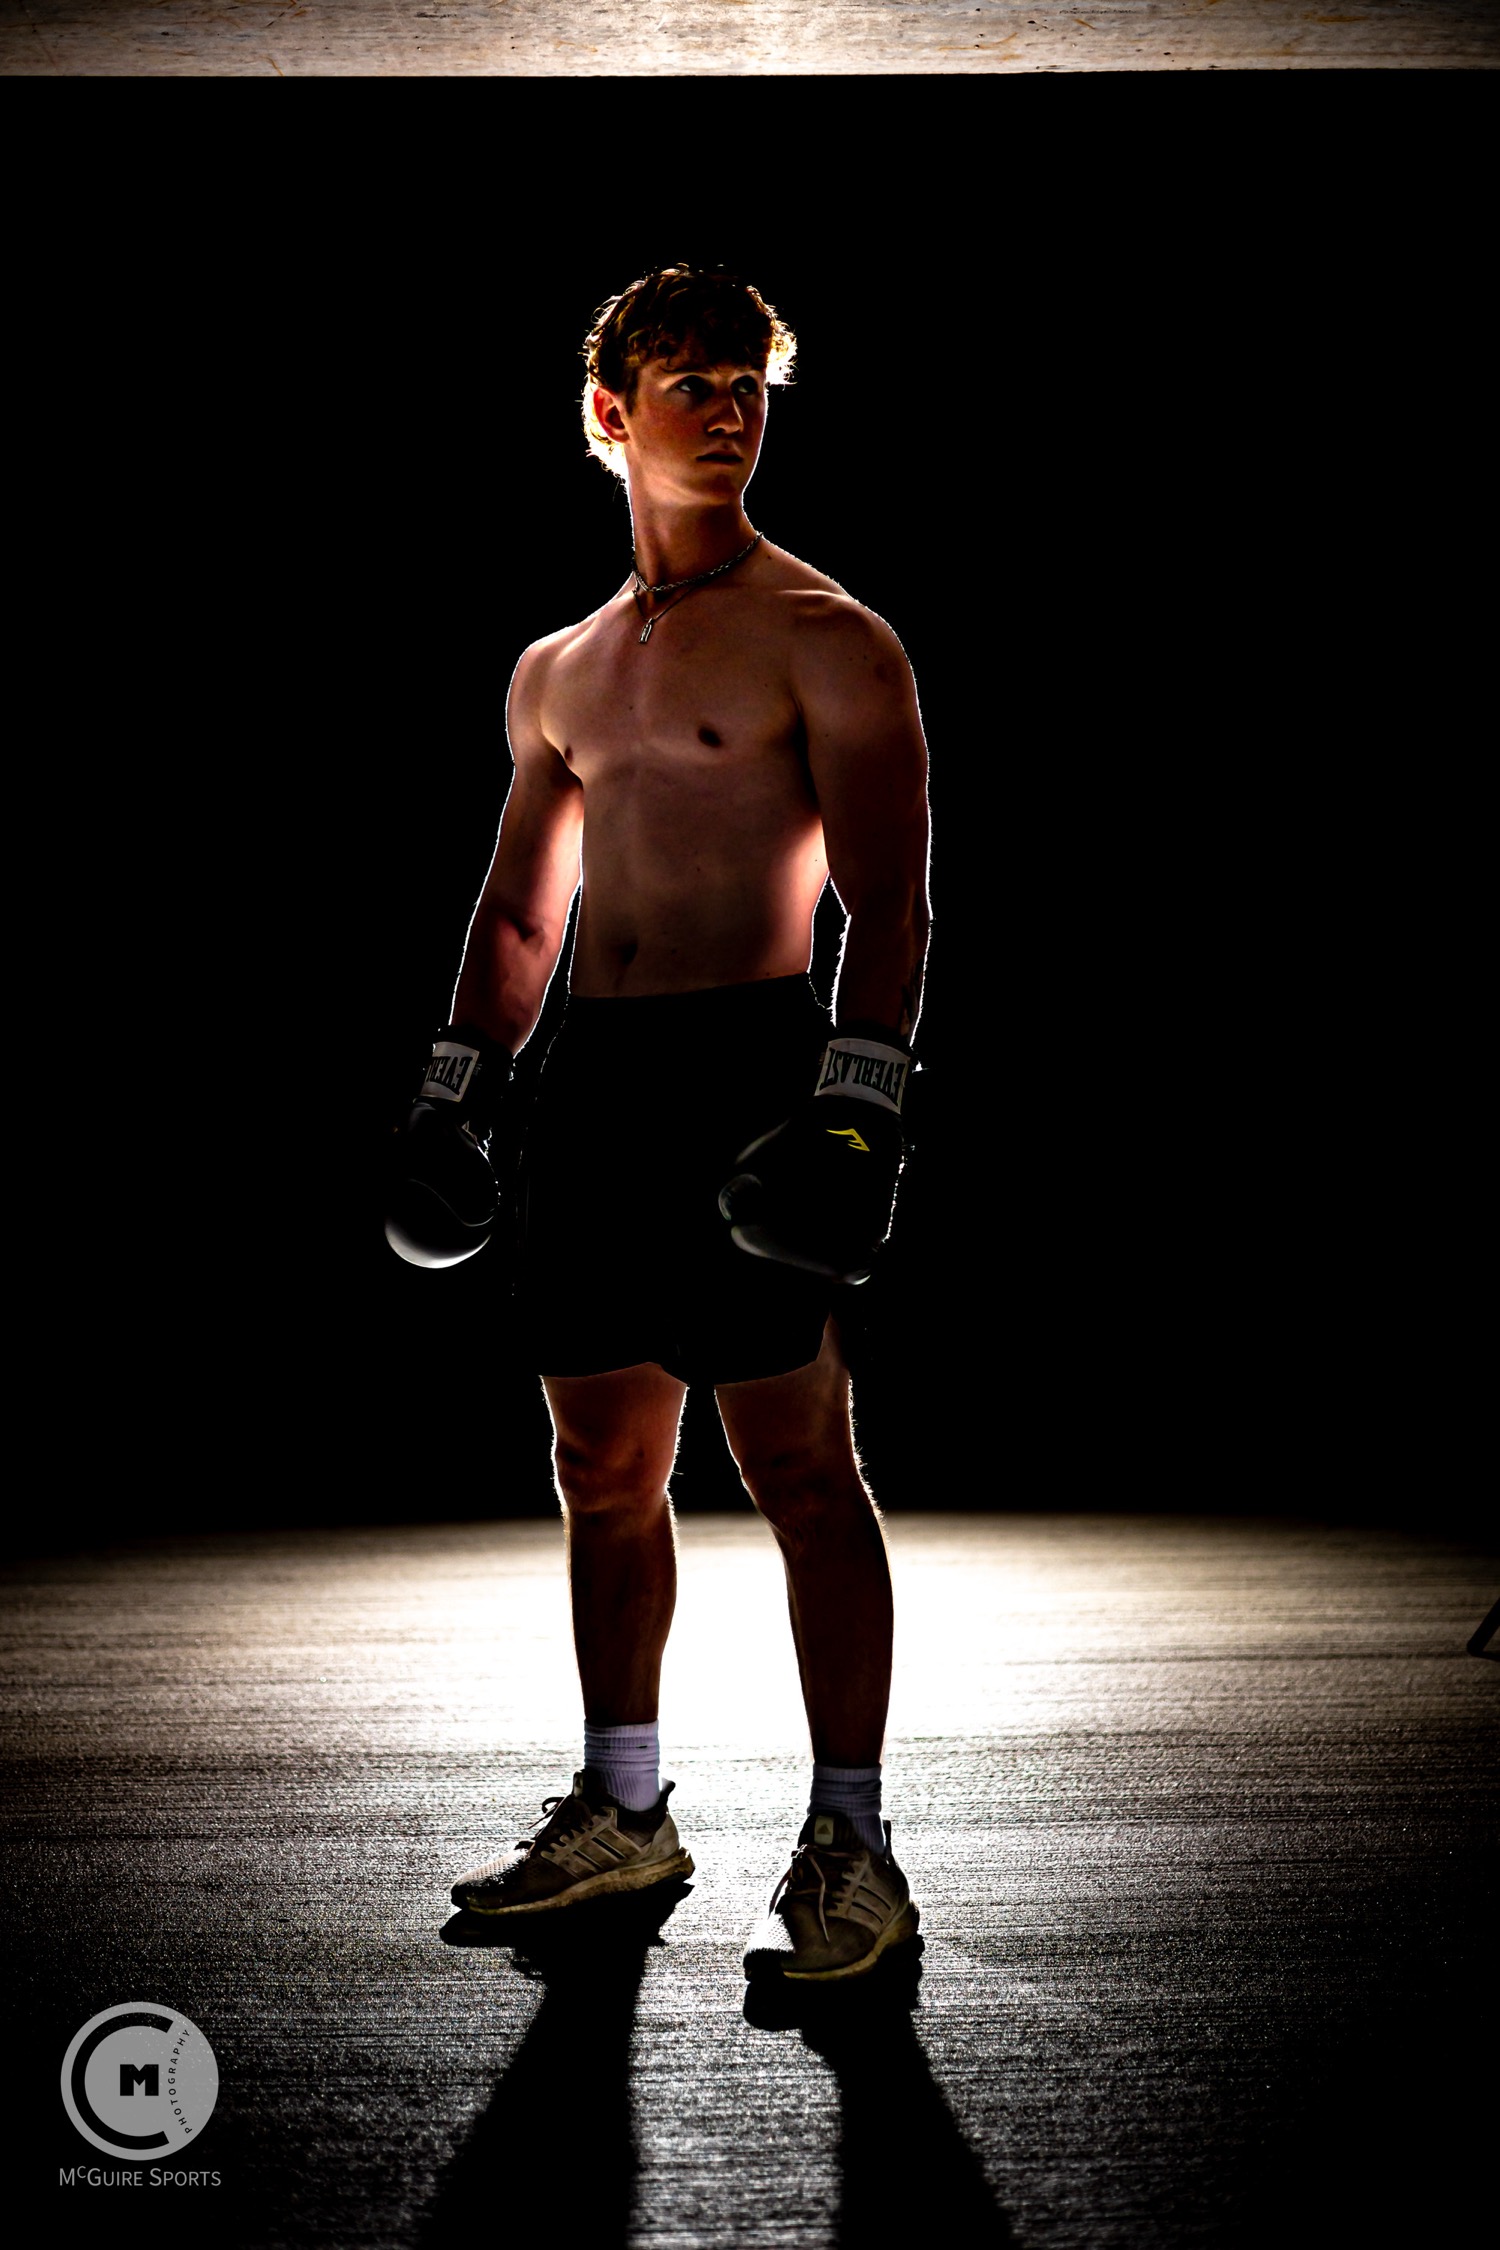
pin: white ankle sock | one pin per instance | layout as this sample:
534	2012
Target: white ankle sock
627	1761
853	1791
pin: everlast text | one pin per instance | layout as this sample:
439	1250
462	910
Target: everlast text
881	1075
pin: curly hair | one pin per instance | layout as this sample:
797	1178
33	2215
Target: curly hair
725	320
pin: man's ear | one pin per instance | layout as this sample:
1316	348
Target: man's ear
609	415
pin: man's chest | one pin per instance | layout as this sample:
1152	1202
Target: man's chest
697	695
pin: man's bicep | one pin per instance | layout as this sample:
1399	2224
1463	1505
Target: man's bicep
867	757
534	872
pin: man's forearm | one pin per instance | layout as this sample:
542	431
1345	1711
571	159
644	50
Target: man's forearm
880	973
507	968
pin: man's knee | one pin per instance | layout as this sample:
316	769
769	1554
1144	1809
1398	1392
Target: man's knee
798	1486
622	1475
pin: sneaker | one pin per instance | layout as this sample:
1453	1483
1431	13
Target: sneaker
589	1845
836	1910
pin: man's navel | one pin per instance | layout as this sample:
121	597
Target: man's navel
714	741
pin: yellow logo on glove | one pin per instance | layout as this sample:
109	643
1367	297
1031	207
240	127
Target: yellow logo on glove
847	1133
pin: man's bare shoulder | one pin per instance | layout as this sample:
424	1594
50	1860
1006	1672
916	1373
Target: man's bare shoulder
781	572
822	612
538	662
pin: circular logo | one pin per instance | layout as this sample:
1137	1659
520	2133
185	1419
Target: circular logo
139	2080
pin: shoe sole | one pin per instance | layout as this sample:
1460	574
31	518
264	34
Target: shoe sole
899	1930
613	1879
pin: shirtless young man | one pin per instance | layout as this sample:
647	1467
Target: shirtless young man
709	748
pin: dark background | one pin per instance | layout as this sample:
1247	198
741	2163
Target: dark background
1155	449
1153	418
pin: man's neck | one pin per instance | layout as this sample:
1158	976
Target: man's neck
673	543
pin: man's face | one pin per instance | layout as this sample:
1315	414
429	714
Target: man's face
692	432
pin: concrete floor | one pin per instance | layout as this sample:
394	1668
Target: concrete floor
600	38
1201	1816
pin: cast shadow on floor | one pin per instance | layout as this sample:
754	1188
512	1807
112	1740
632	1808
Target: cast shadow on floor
558	2132
522	2168
903	2160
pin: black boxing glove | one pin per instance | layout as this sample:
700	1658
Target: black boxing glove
443	1197
820	1190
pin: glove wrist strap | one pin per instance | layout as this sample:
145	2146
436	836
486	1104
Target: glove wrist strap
866	1063
468	1071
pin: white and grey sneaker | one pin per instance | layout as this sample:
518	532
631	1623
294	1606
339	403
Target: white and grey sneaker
836	1910
588	1846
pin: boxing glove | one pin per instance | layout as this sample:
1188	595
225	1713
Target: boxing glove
443	1198
819	1191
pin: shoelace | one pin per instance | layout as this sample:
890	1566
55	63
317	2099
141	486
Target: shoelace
805	1863
549	1807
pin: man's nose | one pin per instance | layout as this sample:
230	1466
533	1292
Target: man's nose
727	414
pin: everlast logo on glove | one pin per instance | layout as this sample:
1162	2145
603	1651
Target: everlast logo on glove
449	1072
863	1069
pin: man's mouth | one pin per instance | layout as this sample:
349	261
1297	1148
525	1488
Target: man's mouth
719	457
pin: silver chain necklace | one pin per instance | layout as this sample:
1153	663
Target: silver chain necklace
681	586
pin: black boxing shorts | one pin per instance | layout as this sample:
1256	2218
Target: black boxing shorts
642	1109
